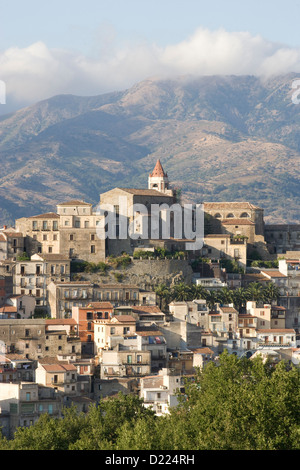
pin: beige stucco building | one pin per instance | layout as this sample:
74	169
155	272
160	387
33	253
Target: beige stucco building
71	231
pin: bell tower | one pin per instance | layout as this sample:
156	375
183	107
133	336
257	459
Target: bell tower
159	180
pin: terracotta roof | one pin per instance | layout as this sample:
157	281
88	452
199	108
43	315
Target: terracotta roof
98	305
273	273
14	234
47	215
8	309
59	367
53	257
228	205
158	170
74	202
228	310
277	330
147	309
117	286
145	192
203	351
149	333
73	283
124	318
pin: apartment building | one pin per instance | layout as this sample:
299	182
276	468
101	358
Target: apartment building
25	337
63	296
71	231
32	277
86	319
23	403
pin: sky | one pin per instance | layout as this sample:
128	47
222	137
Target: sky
92	47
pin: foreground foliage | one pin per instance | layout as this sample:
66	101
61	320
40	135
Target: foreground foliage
240	404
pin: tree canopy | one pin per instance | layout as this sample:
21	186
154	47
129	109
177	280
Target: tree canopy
235	404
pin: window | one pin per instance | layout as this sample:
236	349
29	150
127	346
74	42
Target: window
44	237
34	225
67	222
55	237
71	237
45	225
112	330
27	396
55	225
77	223
93	249
129	359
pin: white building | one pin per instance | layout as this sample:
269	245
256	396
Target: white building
159	392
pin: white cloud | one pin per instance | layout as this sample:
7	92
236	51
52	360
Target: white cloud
37	72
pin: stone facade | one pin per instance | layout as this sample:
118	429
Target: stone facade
71	231
25	337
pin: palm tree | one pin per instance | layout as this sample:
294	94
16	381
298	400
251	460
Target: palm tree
199	292
181	292
271	292
239	298
226	296
255	292
211	299
164	294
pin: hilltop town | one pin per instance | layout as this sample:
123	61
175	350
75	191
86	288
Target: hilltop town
84	316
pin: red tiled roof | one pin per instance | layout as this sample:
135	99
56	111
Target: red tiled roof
124	318
228	310
158	170
277	330
227	205
145	192
58	367
74	202
203	351
47	215
99	305
273	273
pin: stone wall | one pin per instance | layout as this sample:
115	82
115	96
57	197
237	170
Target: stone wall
148	273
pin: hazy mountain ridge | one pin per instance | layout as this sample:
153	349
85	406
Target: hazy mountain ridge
219	138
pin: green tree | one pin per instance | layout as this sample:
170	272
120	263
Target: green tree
270	293
226	296
181	292
239	298
255	292
164	294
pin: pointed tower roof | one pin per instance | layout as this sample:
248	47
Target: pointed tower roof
158	170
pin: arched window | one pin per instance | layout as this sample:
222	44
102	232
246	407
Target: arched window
218	216
244	215
230	216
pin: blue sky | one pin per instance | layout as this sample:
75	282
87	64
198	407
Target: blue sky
92	47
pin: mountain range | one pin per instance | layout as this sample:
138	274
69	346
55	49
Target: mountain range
220	138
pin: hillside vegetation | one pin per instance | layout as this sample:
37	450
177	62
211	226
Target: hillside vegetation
219	138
